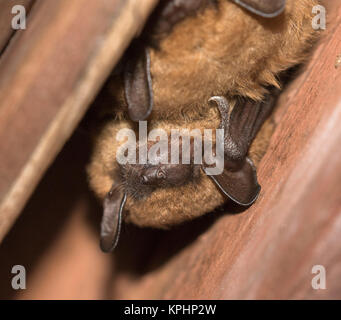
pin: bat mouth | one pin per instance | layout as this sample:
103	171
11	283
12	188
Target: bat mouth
139	181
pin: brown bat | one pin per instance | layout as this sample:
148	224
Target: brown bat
227	50
198	64
139	182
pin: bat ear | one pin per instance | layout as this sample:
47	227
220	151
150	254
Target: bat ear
112	218
241	186
263	8
138	85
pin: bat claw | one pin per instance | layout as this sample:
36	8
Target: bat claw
238	181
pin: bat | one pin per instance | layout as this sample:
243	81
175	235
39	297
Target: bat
198	64
238	181
168	34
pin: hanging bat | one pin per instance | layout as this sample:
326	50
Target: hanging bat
139	182
192	50
198	64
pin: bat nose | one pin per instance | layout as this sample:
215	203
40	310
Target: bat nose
153	176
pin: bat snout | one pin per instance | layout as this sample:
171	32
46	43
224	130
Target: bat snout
141	180
153	176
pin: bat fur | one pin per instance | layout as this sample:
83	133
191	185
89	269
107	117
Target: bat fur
223	50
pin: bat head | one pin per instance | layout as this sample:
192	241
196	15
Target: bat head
141	180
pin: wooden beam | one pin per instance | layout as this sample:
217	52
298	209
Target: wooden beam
49	75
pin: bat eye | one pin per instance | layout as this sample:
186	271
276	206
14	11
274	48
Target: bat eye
161	174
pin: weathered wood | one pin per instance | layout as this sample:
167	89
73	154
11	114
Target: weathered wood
6	16
53	238
48	76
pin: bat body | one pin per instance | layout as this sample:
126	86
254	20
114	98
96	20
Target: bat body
222	49
208	65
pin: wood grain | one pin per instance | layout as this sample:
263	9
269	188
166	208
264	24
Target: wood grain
6	16
49	74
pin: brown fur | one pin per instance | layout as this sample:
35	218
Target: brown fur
225	52
165	207
218	52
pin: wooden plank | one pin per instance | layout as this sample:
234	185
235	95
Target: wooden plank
53	238
49	74
269	250
6	16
